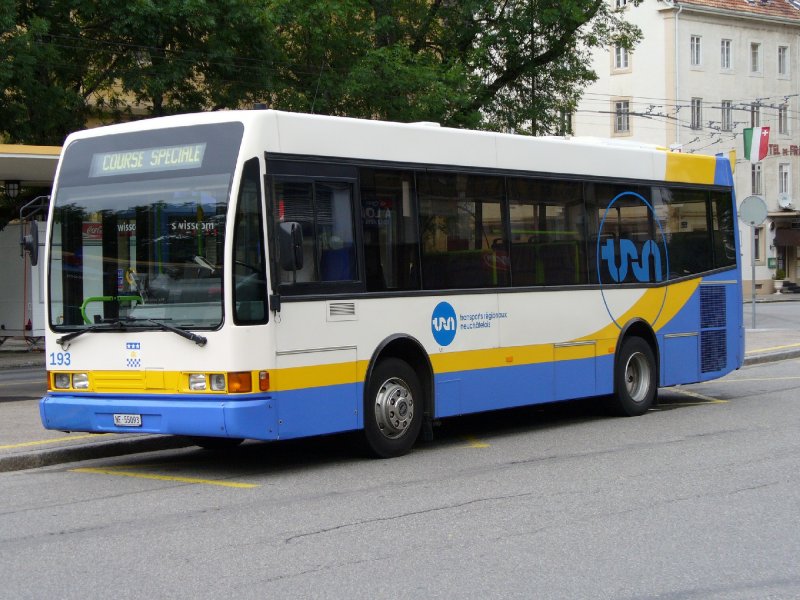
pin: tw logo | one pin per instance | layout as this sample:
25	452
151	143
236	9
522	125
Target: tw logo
444	324
631	258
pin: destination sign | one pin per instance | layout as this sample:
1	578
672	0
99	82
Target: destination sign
147	160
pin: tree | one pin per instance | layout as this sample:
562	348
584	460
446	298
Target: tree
508	65
66	61
494	64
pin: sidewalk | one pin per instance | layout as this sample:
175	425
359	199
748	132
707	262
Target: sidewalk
25	444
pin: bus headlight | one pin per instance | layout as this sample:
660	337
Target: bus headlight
80	381
218	382
61	381
197	381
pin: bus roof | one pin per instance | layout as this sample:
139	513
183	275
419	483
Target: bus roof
302	135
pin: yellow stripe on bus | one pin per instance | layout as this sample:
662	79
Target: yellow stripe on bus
690	168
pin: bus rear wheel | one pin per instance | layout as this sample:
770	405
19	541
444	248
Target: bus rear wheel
635	379
393	408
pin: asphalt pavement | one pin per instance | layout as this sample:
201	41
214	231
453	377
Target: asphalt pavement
25	444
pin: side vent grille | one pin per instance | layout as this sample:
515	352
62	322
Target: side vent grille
342	311
712	307
713	337
714	345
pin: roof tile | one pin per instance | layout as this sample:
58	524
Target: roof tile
787	9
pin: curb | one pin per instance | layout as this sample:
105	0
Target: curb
768	357
91	450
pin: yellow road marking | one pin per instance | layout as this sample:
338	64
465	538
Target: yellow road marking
53	441
193	480
475	442
773	349
705	399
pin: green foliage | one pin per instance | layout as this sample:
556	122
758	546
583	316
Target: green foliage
507	65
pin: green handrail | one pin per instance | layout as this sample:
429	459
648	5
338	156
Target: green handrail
91	299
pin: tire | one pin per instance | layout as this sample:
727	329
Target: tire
393	409
216	443
635	379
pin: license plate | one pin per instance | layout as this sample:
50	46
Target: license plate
128	420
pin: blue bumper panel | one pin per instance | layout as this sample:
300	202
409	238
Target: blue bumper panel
253	418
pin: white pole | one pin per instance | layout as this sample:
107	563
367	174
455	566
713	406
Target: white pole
753	277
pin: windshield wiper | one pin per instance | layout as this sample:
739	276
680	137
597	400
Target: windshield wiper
116	324
119	325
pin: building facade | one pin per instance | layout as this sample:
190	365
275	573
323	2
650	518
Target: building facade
705	71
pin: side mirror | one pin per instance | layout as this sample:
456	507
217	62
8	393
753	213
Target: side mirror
291	246
30	242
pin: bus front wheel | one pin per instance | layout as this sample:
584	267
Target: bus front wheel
393	408
635	379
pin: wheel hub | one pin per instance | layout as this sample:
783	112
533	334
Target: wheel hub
637	377
394	408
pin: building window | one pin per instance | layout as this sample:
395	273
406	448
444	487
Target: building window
621	3
622	122
756	178
620	58
758	234
726	62
755	57
755	115
727	115
783	61
783	119
696	54
784	178
697	113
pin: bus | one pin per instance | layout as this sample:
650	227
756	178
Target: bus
267	275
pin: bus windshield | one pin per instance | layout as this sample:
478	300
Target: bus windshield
139	228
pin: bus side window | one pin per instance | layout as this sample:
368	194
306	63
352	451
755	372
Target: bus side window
324	211
548	245
337	256
389	221
462	231
686	226
294	202
249	261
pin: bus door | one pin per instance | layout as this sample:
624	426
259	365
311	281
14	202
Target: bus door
315	273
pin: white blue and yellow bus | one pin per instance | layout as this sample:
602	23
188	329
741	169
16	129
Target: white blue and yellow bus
268	275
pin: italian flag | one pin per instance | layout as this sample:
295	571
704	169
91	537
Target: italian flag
756	142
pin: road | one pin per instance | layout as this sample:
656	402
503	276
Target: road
697	499
22	384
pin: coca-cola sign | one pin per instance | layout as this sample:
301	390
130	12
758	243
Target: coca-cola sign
93	231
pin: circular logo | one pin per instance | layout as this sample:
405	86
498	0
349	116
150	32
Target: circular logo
632	261
444	324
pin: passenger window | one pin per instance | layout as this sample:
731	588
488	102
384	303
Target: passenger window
626	235
324	213
686	226
723	223
462	231
389	220
548	245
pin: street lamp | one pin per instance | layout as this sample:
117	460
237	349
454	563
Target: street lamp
12	189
